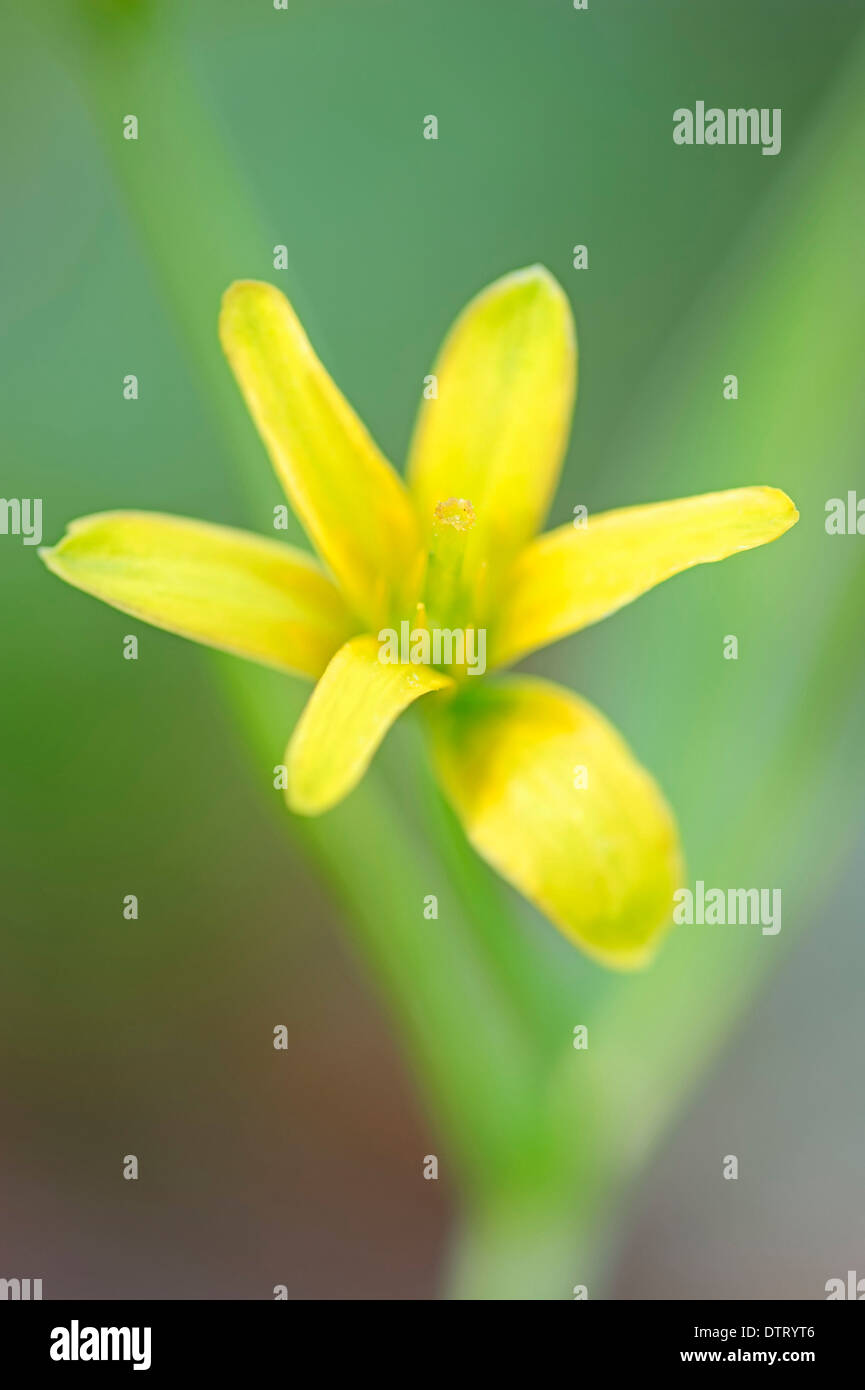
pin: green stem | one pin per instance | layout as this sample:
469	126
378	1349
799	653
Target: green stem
536	1253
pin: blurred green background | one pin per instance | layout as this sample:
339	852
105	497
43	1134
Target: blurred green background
153	1037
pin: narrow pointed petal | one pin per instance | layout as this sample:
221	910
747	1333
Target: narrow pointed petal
496	433
345	720
573	576
354	507
601	860
228	589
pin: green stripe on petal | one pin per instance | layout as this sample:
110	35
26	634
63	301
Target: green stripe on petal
496	433
345	720
551	796
355	508
574	576
228	589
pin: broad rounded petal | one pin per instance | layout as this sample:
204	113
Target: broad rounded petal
355	508
347	716
229	589
552	797
574	576
496	433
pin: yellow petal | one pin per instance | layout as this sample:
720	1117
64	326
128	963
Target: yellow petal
354	507
345	720
229	589
496	433
601	860
574	576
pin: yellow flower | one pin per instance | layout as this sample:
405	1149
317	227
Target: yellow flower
546	789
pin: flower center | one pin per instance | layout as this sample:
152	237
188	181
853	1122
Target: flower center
442	633
447	591
455	512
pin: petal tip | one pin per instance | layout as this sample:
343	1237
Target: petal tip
240	297
534	278
242	288
306	800
299	805
540	288
784	508
788	503
50	556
